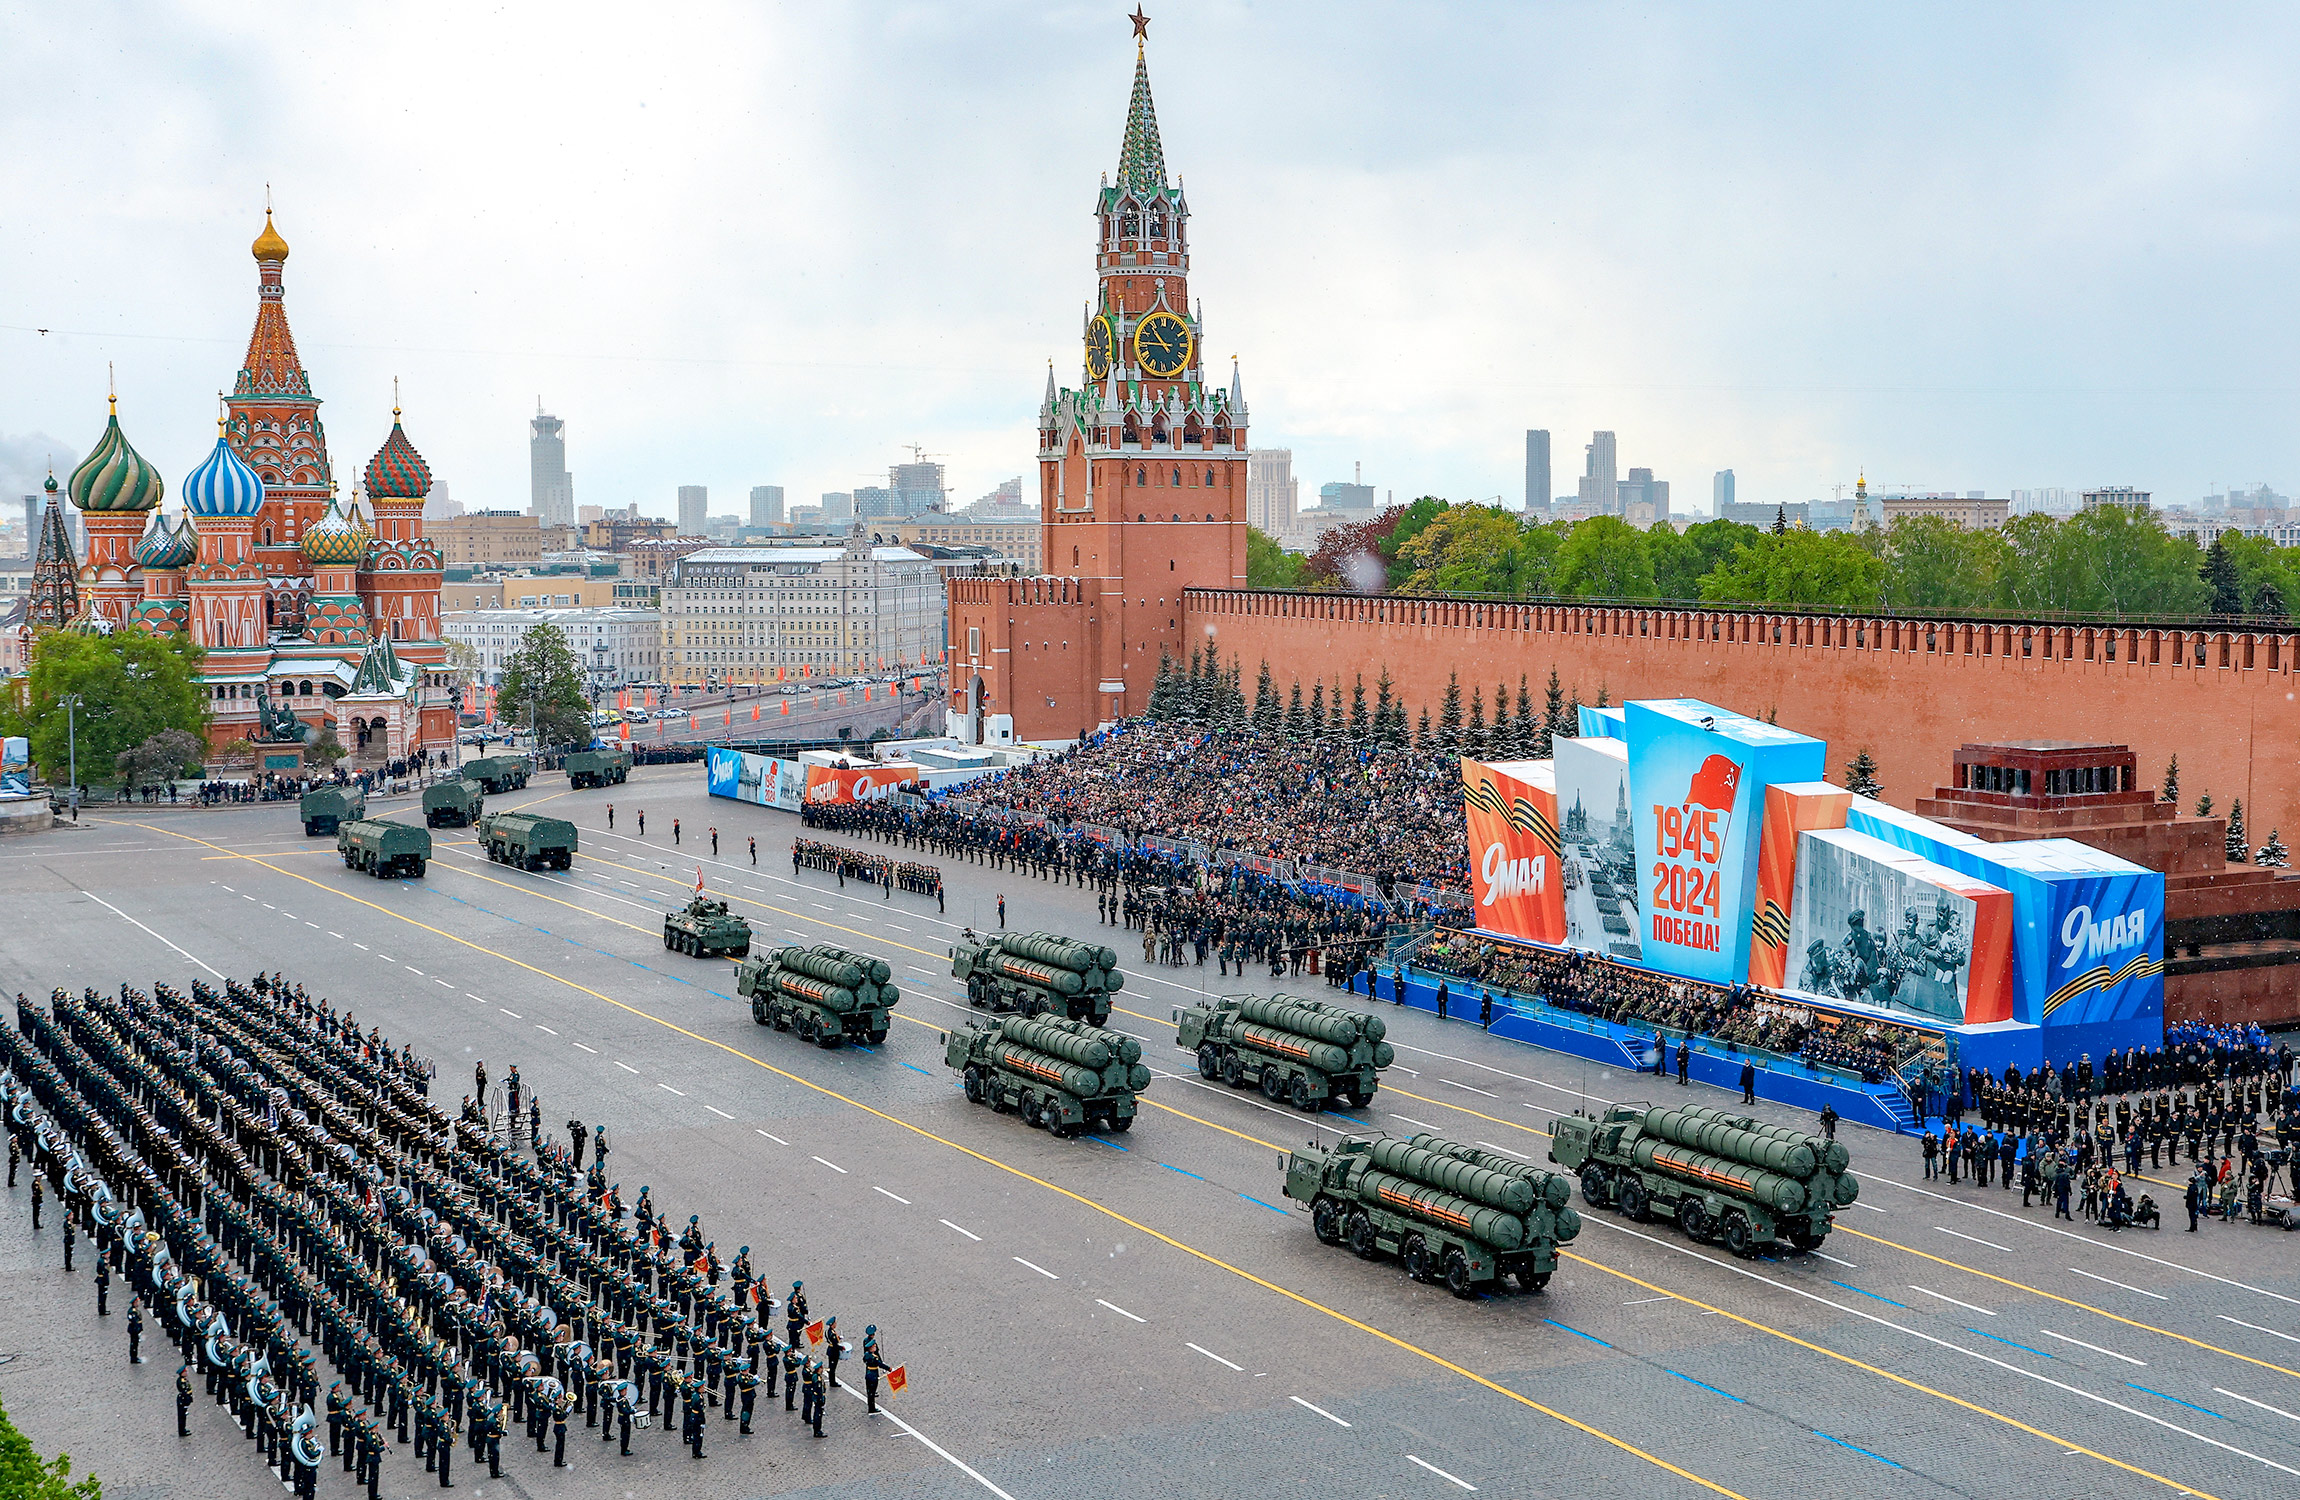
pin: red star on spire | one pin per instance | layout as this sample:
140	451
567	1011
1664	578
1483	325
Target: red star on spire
1141	24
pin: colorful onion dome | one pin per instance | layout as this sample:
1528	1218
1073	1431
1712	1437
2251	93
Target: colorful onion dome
398	472
115	477
50	486
166	546
269	246
337	539
223	486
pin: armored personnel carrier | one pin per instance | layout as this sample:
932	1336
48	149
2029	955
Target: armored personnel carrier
454	803
1300	1052
528	840
327	808
601	767
1450	1213
383	849
827	995
1065	1075
706	929
1037	973
1718	1176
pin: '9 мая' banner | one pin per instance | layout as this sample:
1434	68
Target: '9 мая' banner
1697	774
1513	848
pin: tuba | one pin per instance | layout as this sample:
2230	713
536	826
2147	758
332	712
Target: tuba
304	1439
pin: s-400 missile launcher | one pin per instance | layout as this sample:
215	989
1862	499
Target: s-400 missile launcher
1037	973
825	994
1718	1176
1068	1076
1300	1052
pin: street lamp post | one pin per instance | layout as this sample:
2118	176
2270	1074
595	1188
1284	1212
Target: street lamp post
71	702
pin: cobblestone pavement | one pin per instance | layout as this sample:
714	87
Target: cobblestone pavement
1136	1314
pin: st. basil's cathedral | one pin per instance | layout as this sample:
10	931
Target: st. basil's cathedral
312	615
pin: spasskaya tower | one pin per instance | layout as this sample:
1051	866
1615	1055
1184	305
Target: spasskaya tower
1141	480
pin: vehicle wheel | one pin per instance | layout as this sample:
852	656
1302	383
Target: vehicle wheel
742	952
1031	1114
1691	1219
1232	1074
1299	1095
1806	1241
1122	1123
1209	1062
1414	1255
311	830
1595	1190
1633	1201
1533	1281
1360	1236
1063	1130
830	1040
758	1015
782	1020
878	1039
1739	1237
1326	1221
973	1085
418	870
1273	1085
1457	1275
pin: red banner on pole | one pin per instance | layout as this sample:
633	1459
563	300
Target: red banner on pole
898	1380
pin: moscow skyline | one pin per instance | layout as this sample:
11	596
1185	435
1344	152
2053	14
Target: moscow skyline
775	245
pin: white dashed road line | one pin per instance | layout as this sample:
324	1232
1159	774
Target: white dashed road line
1122	1312
1216	1358
722	1114
834	1166
1945	1297
2248	1401
2159	1296
778	1140
2095	1348
1992	1244
626	1067
897	1197
2256	1328
666	1088
1469	1088
514	1015
1321	1411
1041	1270
594	1051
1442	1474
970	1234
539	1026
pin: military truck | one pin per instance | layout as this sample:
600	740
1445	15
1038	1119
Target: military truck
600	767
1724	1177
1037	973
1450	1213
499	773
384	849
1065	1075
704	928
1300	1052
327	808
454	803
528	840
827	995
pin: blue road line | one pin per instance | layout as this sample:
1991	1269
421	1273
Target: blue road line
1113	1145
1577	1333
1272	1207
2023	1348
1169	1166
915	1068
715	995
858	1046
1848	1286
1857	1448
2175	1400
1705	1385
1353	1119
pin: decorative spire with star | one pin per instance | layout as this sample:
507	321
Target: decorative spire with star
1141	159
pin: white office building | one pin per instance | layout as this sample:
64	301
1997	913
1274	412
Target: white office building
781	613
615	646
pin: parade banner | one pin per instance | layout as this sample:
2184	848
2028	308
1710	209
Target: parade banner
1599	888
1699	774
765	780
1792	808
828	785
898	1380
1515	854
1882	926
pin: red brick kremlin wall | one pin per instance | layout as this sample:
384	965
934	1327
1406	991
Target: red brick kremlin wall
1912	691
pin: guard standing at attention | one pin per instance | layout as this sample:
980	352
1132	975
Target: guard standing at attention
184	1399
813	1413
38	1193
795	1312
103	1286
135	1333
559	1410
792	1362
70	1235
873	1363
747	1381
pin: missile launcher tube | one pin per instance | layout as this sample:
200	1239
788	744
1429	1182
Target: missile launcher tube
1781	1194
1716	1138
1830	1155
1452	1174
1496	1227
1323	1056
1072	1079
829	996
833	968
1315	1022
1088	1046
1045	976
1552	1188
1062	952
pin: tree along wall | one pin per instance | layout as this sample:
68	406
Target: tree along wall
1910	691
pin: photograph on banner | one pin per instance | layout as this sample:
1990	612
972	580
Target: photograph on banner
768	781
1881	926
1598	850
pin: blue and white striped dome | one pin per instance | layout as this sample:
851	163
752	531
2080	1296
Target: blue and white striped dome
223	486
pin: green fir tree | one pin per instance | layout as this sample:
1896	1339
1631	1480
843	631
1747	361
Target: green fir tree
1422	735
1318	709
1449	713
2272	854
1266	706
2171	793
2238	845
1861	775
1473	741
1361	723
1385	706
2204	805
1526	729
1552	719
1297	717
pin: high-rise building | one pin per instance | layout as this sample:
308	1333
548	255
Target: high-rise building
1273	494
837	506
2120	495
918	488
766	505
1536	470
694	505
1643	499
551	489
1720	491
1600	487
873	501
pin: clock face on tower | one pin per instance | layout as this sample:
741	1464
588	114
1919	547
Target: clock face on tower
1101	344
1162	345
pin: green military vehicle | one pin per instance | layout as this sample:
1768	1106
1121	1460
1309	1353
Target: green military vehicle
1724	1177
499	773
327	808
827	995
455	803
600	767
528	840
1299	1052
1037	973
706	929
1065	1075
1450	1213
384	849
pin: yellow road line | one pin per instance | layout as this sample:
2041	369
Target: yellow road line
1902	1380
2068	1301
991	1161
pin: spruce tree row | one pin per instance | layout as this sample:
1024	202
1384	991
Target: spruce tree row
1206	691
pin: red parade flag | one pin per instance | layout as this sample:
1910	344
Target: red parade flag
898	1380
815	1332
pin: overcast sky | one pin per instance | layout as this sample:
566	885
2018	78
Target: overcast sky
1977	248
